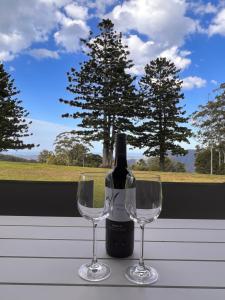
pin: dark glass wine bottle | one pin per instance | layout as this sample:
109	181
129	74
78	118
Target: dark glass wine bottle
119	227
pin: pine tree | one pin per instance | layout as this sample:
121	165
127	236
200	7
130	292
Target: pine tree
161	130
104	91
13	123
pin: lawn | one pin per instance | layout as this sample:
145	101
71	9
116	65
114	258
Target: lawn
44	172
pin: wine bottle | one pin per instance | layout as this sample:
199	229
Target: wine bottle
119	227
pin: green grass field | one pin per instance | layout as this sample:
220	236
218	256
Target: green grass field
44	172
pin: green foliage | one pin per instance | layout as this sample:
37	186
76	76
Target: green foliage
51	159
160	92
69	151
203	161
153	164
141	165
13	123
171	165
210	121
180	167
104	91
44	156
93	160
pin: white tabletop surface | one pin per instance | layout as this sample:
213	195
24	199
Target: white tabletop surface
40	256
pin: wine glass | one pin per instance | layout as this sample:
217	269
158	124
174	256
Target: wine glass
142	210
93	206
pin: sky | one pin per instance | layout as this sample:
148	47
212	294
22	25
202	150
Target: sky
40	42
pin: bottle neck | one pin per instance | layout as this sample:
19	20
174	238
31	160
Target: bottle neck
121	152
121	161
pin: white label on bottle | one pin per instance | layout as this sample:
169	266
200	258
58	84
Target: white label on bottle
117	198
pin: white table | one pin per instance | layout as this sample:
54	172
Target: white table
40	256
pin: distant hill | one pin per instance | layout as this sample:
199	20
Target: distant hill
131	161
8	157
188	160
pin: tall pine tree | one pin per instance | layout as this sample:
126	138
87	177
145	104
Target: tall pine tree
161	130
104	91
13	123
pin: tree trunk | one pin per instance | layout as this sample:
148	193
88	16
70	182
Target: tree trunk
211	168
111	157
219	159
106	157
107	160
162	162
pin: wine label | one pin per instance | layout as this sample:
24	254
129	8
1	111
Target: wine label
117	198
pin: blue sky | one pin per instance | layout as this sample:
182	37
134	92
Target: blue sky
39	42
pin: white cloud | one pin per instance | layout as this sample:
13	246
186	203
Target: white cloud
143	52
192	82
28	22
218	24
140	52
164	25
214	82
208	8
23	23
100	6
203	8
57	3
160	20
43	53
177	56
6	56
70	34
76	12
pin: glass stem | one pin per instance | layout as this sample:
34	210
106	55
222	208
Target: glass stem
94	259
141	260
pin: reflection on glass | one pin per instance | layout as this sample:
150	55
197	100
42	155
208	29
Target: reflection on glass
93	206
144	209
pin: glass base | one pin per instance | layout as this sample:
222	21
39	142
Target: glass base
94	272
141	275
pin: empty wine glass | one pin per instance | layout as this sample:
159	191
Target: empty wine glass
93	206
142	210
